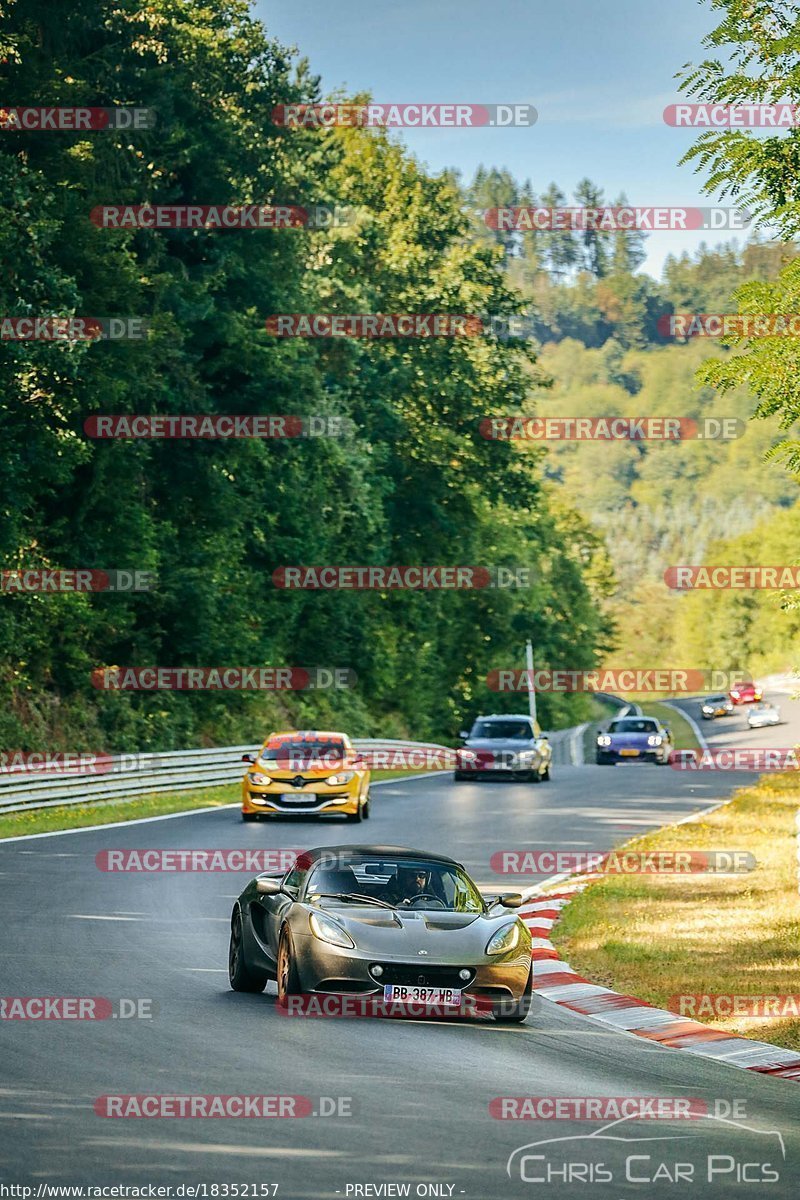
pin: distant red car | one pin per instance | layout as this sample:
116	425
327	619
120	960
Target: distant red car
745	693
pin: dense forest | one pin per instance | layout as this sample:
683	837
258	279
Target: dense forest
411	481
600	324
212	520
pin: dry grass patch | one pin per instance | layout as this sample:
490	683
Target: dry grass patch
658	937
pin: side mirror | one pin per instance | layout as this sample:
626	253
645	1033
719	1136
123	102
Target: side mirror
543	737
668	731
509	900
360	763
268	887
248	758
462	733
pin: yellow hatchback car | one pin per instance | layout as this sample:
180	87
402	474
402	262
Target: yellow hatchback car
310	771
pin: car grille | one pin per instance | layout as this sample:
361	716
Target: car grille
424	975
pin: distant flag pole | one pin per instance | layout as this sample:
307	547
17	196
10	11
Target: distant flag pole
531	691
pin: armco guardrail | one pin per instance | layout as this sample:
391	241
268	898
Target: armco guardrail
126	775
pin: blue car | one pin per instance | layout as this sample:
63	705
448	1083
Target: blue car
634	739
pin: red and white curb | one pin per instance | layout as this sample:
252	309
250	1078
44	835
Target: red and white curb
556	981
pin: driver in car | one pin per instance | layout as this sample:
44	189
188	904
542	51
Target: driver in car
409	884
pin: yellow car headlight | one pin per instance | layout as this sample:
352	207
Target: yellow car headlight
340	779
258	779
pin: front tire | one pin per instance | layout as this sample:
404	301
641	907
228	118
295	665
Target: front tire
288	977
546	774
248	816
366	810
514	1012
242	977
357	815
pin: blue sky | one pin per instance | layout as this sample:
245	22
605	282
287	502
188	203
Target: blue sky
599	76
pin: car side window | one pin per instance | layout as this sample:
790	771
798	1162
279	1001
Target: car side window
294	880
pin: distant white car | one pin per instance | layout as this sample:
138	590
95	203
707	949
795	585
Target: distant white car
761	715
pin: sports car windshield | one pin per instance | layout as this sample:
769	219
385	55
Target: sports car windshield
632	725
301	752
505	730
401	882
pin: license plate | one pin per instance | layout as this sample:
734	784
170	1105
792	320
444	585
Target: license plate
293	797
629	753
405	994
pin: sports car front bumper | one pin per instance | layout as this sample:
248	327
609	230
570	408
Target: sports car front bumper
325	968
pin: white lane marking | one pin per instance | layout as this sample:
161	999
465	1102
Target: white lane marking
96	917
153	1146
186	812
696	730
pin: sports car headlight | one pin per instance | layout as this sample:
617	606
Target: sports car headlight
258	779
330	931
655	739
604	740
505	939
342	777
708	708
467	755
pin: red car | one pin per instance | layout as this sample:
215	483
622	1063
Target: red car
745	693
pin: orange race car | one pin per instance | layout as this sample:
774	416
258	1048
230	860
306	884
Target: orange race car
310	771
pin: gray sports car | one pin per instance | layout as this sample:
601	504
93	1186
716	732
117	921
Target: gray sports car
384	922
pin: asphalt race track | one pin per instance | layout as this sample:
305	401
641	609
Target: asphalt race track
419	1091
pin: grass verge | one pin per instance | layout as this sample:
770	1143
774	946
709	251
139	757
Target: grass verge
683	736
659	937
78	816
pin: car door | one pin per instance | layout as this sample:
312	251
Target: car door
277	907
